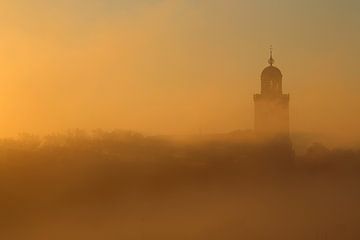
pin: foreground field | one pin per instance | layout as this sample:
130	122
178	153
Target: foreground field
125	186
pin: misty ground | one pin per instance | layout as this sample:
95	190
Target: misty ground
122	185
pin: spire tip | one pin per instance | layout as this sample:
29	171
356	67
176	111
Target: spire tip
271	60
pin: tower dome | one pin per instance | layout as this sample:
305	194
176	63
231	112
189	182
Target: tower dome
271	78
271	73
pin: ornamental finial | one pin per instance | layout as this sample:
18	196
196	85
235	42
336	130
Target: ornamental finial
271	60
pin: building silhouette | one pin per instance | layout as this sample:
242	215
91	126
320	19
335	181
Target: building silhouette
271	105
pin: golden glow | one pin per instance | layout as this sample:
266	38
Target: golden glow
175	67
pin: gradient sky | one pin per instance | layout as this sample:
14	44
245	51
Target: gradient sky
175	66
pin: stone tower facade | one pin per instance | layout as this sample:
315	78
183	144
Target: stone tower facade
271	105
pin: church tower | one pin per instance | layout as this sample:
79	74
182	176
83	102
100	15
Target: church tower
271	105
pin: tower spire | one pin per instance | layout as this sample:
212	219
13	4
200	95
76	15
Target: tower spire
271	59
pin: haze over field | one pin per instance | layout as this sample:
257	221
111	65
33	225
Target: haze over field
121	185
147	119
176	67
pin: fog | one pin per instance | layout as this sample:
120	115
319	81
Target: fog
175	67
123	185
180	78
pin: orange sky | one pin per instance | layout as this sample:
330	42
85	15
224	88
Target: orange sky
175	66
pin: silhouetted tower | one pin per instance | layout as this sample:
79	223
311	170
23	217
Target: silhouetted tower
271	106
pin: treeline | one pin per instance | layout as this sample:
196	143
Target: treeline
128	146
131	148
